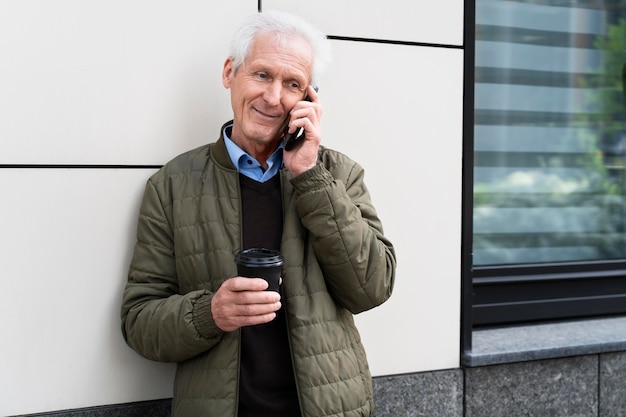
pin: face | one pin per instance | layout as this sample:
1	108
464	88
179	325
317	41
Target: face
265	88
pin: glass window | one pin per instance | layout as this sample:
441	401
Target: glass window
547	236
549	132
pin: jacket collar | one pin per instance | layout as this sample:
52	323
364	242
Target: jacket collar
219	150
220	153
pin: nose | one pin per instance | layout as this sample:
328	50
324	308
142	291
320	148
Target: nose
273	93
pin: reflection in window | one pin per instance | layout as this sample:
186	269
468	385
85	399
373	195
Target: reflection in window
550	132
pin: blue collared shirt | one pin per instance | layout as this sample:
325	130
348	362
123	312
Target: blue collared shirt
249	166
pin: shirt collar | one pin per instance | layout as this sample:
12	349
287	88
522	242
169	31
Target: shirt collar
249	166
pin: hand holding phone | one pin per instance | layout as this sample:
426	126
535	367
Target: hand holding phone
293	140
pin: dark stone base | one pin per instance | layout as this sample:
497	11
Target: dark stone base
156	408
579	386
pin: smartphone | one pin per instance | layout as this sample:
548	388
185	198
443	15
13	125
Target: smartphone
293	140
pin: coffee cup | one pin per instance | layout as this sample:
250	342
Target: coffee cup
260	263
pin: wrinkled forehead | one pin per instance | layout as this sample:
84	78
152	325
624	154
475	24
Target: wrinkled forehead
291	43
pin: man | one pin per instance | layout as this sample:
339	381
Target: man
243	351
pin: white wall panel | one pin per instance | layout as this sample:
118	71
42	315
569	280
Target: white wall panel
137	82
438	22
112	81
67	238
398	111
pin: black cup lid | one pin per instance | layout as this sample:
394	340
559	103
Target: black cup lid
259	257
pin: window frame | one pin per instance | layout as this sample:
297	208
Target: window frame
523	294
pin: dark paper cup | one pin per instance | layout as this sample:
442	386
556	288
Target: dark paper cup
260	263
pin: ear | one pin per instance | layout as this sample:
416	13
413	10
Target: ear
227	72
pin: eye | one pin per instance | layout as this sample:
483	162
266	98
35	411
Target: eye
293	85
262	75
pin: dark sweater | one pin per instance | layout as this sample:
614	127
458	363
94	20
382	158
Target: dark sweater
266	383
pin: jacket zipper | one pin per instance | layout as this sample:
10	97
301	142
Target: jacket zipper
238	372
239	330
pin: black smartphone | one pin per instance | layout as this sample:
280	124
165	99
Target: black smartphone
293	140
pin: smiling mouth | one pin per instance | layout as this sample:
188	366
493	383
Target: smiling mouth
267	115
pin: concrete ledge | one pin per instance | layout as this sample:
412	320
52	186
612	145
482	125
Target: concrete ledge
546	341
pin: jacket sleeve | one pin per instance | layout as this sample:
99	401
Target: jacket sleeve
358	262
157	321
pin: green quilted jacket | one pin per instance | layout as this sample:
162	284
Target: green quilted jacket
337	263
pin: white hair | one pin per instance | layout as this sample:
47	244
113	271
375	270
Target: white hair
285	25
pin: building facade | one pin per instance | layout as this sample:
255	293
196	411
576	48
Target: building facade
499	123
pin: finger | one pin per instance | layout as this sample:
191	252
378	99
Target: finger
256	297
305	116
313	111
231	312
233	323
248	310
312	93
245	284
254	320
